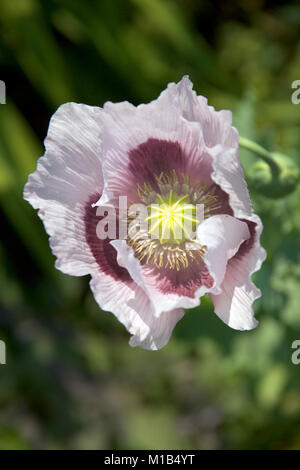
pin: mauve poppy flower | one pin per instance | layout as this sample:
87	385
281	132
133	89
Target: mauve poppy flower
173	153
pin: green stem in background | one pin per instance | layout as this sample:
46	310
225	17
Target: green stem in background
256	148
274	175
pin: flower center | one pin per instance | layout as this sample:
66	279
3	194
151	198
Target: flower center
168	240
172	218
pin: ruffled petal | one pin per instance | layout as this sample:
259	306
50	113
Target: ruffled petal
132	307
115	285
216	126
222	235
171	133
234	304
229	175
166	292
66	177
67	183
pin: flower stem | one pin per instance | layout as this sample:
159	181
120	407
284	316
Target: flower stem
256	148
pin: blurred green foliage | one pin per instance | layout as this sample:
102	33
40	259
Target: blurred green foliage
71	380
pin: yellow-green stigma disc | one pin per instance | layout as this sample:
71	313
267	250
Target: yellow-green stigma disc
172	218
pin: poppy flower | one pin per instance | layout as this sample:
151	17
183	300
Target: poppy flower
172	156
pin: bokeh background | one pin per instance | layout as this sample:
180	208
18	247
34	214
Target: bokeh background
71	381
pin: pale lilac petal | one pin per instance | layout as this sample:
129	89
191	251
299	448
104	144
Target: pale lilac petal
234	304
160	330
222	235
229	175
171	129
65	178
216	126
132	307
159	292
116	287
116	290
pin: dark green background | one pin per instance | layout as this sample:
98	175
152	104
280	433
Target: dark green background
71	380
